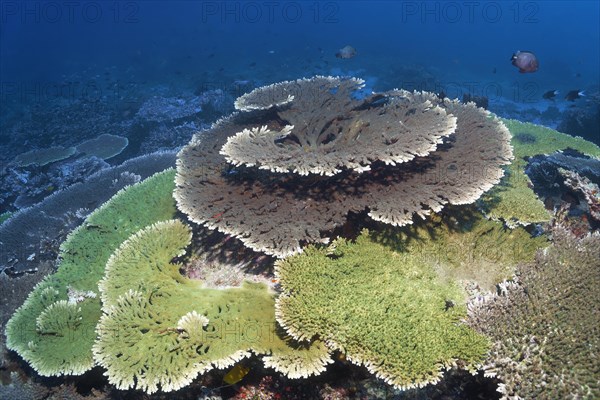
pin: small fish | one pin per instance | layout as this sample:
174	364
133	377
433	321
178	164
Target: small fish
526	61
494	70
346	52
217	215
252	64
550	94
236	374
574	94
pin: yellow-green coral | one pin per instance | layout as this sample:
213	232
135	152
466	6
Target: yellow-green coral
64	346
465	246
160	329
513	200
387	311
59	318
531	139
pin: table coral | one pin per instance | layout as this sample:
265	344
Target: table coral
55	343
104	146
317	141
388	311
277	213
43	157
149	305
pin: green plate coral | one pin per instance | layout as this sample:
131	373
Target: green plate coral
464	246
386	311
54	329
402	283
513	200
162	329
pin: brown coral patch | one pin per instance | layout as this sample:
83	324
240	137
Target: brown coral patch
278	213
327	129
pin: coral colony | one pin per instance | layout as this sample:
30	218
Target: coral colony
311	148
287	174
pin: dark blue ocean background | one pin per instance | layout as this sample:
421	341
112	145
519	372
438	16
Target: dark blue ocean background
458	42
73	70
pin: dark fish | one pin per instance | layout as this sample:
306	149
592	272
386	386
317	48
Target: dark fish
252	64
526	61
549	95
346	52
574	94
380	102
494	70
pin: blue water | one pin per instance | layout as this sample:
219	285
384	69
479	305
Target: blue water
124	52
458	40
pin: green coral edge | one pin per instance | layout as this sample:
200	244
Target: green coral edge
19	324
278	352
516	203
